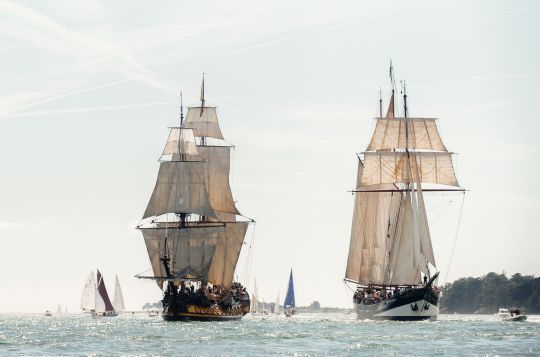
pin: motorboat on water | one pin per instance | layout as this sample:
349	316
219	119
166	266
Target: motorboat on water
511	315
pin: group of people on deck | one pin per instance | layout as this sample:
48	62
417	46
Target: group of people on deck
205	295
374	295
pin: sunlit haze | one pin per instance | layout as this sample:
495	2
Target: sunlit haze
89	88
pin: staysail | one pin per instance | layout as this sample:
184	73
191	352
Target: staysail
88	296
118	297
289	298
390	241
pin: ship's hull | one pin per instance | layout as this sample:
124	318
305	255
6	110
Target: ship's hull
415	304
199	313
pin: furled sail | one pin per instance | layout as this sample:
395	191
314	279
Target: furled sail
103	302
191	250
392	167
88	297
180	187
118	297
226	254
390	134
203	121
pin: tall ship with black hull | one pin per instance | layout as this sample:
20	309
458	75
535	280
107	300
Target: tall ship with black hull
391	258
191	227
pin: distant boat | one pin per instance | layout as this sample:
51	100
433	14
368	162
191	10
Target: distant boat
254	299
276	306
59	309
48	313
289	303
95	299
153	313
118	297
391	257
65	310
512	315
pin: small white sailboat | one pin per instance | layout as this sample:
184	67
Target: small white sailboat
118	297
254	301
59	309
48	313
95	299
276	306
511	315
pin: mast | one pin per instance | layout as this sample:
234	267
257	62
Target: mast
380	103
181	110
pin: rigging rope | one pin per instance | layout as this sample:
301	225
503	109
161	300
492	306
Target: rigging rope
455	239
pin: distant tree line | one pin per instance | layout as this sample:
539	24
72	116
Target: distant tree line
487	294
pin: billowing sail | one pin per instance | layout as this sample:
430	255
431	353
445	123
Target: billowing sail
88	297
226	254
217	177
118	297
204	122
103	303
392	167
289	298
191	250
180	187
180	141
390	134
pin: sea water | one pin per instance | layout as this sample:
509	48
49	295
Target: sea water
336	334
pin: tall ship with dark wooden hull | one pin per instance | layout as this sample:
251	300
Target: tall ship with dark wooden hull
191	227
391	259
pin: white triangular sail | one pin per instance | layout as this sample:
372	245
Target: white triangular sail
254	298
88	296
118	297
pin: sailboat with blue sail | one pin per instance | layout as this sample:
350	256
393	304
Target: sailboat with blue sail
289	303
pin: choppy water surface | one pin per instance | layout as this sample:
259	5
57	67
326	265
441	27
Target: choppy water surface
302	335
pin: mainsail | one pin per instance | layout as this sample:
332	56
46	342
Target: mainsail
390	240
190	226
103	303
289	298
118	297
88	296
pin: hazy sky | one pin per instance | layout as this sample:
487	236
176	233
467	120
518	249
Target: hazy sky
88	89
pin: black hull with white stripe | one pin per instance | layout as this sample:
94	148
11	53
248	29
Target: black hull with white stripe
418	303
